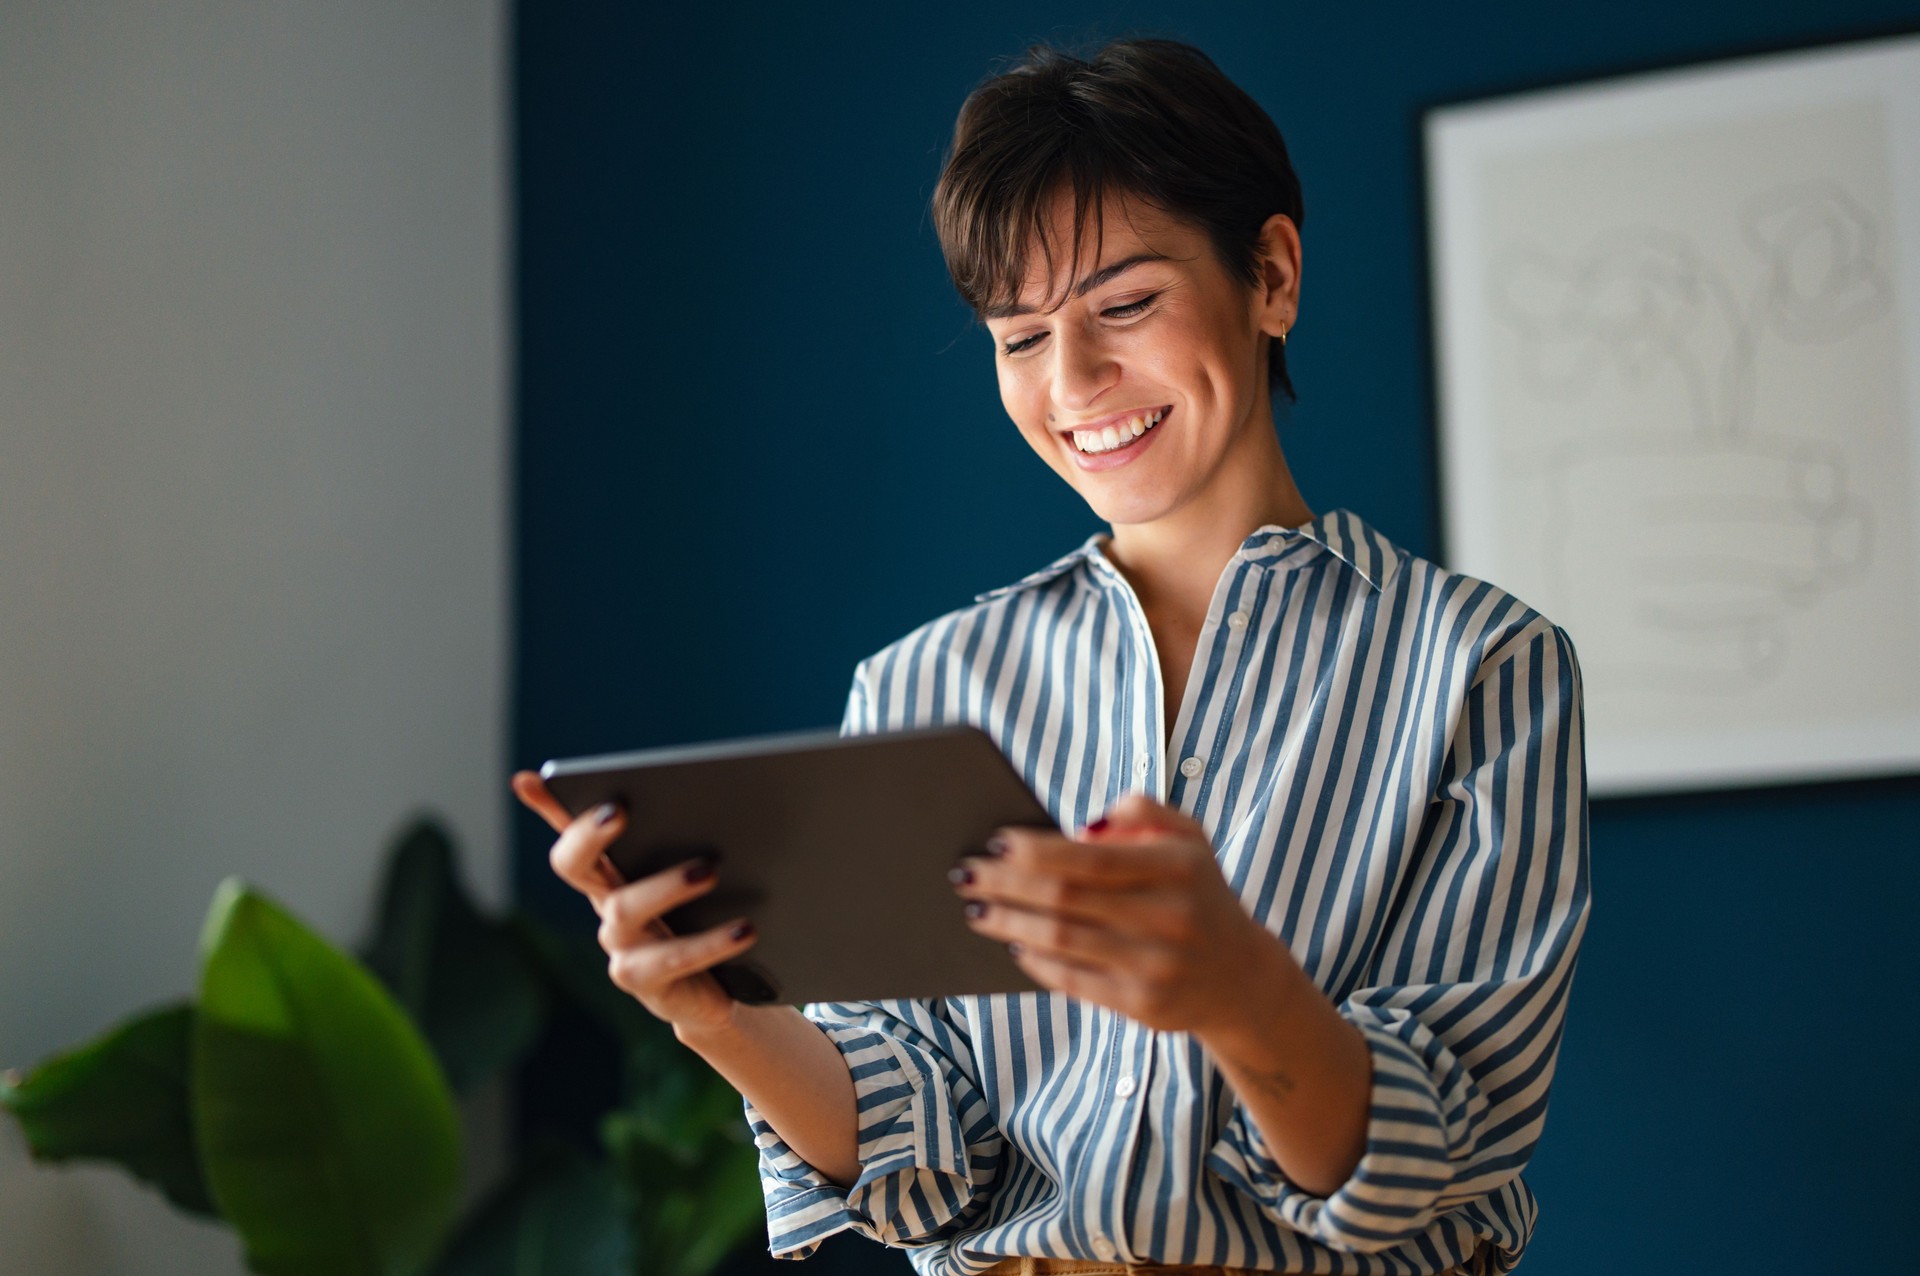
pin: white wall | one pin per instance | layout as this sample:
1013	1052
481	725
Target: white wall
253	504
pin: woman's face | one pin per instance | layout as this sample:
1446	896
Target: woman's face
1169	343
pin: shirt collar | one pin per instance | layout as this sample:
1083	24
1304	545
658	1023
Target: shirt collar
1340	532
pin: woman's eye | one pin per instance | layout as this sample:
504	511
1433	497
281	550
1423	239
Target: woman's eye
1118	312
1132	307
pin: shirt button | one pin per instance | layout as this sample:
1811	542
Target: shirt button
1238	620
1192	767
1140	764
1103	1247
1125	1088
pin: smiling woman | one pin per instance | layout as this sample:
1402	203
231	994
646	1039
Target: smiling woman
1307	955
1158	349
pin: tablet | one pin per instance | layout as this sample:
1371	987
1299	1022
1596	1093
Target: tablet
837	847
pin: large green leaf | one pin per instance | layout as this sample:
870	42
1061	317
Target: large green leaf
465	980
121	1097
326	1127
560	1215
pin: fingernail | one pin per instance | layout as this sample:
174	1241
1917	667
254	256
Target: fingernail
741	931
960	875
996	845
1015	949
1097	825
606	813
699	871
975	909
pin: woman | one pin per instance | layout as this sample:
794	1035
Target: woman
1309	948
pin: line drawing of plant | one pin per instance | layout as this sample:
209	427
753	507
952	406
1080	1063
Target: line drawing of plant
1748	522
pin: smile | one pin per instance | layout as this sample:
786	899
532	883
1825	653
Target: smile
1117	445
1114	437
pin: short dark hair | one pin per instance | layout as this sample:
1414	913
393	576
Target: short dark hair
1153	118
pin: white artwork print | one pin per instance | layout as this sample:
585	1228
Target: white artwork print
1678	338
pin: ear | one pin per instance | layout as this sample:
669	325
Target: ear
1276	298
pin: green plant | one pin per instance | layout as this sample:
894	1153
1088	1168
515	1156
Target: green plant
308	1098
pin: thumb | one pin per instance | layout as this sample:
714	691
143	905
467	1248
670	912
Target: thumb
1137	811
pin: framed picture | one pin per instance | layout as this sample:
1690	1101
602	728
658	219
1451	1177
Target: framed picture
1676	318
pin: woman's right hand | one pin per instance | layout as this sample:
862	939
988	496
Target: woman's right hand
666	973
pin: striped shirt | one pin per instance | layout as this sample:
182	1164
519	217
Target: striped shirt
1386	757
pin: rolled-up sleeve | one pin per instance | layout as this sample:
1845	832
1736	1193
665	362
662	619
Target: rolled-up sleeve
1464	1005
929	1150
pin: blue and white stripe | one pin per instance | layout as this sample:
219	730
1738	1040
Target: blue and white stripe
1387	758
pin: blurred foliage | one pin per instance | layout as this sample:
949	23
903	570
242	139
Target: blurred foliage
122	1098
325	1125
308	1098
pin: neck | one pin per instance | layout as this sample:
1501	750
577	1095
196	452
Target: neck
1174	563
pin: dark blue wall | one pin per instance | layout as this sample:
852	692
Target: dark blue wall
759	439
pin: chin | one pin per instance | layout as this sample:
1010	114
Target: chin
1119	508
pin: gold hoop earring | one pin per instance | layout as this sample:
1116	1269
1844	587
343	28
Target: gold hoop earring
1283	336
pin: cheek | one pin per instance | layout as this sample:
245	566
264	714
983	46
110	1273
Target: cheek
1012	394
1023	406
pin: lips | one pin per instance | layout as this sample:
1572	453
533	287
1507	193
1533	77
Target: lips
1112	437
1122	455
1115	419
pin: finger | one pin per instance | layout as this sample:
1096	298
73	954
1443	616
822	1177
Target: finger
579	855
1062	937
532	790
1064	976
1139	811
1102	987
1124	906
635	911
647	968
1131	859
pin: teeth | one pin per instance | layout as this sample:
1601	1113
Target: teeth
1107	438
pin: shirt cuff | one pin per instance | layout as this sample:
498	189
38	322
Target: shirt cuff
914	1169
1414	1137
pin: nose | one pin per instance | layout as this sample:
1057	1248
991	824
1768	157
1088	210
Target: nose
1083	368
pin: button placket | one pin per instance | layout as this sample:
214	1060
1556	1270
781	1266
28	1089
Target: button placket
1138	1042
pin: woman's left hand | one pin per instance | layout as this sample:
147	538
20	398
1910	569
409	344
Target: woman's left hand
1134	915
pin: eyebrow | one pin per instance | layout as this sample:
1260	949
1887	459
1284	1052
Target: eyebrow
1081	289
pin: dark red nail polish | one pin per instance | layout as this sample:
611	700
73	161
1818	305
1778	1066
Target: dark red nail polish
960	875
996	845
1097	825
975	909
606	813
741	931
699	871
